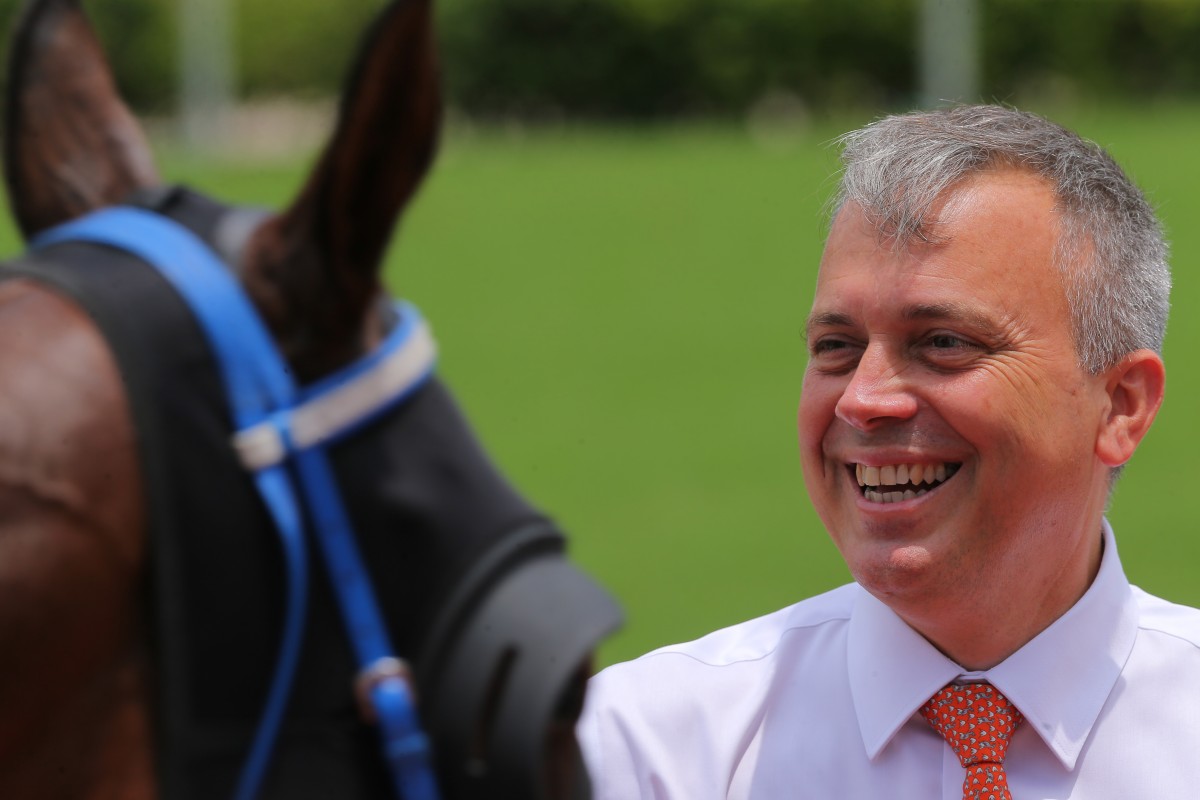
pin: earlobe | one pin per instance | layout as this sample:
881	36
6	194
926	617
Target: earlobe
1135	389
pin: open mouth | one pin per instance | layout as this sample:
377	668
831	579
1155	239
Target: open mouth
896	482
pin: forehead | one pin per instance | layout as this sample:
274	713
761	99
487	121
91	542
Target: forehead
993	242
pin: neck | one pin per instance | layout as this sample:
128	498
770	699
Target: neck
1013	619
94	743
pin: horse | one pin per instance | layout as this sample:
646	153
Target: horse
144	592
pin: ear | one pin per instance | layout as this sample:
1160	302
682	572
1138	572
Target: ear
71	145
314	269
1135	389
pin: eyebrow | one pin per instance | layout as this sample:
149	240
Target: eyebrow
950	311
920	311
827	319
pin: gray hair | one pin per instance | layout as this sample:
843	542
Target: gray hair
1112	254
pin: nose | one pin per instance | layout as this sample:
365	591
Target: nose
877	392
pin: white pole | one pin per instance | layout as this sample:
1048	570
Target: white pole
949	47
206	72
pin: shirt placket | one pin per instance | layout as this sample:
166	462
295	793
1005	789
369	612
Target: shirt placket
952	776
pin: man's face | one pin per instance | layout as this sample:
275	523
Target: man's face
947	431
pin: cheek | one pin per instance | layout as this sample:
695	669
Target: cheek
1030	392
815	416
1049	420
1032	441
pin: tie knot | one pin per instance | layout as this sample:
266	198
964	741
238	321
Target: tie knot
975	720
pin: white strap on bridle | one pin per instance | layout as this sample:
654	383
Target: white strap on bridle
342	406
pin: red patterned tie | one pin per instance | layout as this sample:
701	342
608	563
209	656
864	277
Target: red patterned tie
977	722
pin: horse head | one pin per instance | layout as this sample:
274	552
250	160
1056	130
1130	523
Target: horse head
143	586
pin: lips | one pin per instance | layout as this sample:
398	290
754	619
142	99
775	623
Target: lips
895	482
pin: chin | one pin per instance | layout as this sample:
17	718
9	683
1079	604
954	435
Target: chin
891	570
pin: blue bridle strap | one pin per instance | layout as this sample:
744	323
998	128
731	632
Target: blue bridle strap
293	425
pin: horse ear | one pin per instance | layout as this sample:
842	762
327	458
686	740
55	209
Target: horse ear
314	269
71	145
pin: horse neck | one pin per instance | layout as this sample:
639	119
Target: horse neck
74	679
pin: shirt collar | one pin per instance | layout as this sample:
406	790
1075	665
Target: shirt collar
1060	680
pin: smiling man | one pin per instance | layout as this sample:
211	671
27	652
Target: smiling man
984	358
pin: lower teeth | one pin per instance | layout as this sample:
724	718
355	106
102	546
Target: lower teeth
893	497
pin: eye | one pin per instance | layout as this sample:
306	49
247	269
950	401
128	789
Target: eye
946	349
946	341
828	345
834	353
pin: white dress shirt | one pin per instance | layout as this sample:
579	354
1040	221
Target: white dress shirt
819	700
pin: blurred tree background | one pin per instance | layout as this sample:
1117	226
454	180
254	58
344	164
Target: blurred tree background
634	60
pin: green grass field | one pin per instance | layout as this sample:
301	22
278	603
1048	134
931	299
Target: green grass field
620	314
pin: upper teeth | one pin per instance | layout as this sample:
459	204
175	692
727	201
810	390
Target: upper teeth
901	474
